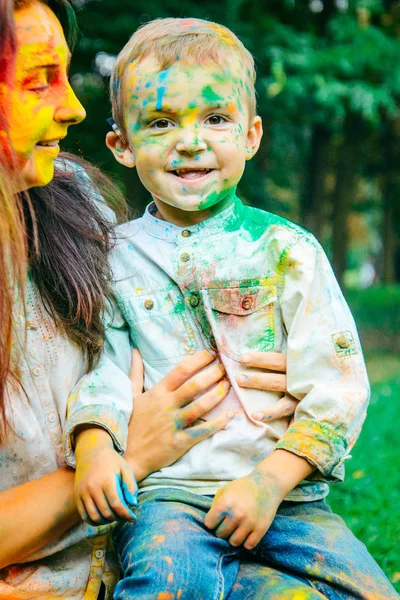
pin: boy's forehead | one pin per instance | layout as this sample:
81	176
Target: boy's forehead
183	79
147	71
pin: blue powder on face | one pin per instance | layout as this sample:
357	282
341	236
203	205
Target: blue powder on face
161	89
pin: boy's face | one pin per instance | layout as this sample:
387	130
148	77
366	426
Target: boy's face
189	132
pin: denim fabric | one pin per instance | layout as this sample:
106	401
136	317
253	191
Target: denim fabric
169	554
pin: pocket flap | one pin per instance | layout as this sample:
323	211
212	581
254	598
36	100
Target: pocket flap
241	300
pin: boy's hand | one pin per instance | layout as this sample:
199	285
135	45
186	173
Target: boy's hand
244	509
105	486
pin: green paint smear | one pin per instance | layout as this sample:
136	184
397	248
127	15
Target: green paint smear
217	197
210	96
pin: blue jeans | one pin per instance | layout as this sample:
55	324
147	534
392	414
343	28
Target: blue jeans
308	552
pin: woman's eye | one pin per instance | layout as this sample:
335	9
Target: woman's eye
216	120
161	124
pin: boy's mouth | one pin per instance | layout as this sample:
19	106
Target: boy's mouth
191	174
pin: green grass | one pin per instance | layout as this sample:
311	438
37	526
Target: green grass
369	498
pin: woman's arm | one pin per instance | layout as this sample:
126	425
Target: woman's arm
33	514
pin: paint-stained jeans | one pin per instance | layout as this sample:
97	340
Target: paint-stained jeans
169	554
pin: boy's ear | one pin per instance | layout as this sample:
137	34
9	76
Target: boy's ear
121	150
254	136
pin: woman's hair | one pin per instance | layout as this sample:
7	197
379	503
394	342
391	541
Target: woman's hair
60	233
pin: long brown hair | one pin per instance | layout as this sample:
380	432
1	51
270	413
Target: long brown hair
61	232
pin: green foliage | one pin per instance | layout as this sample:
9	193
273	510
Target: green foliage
368	498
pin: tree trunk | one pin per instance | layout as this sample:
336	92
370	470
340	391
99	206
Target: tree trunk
346	175
313	200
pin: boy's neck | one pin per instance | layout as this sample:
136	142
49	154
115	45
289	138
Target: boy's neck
184	218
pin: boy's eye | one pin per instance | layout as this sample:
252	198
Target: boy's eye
216	120
161	124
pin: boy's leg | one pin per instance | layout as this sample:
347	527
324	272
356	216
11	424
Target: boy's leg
168	553
259	582
309	540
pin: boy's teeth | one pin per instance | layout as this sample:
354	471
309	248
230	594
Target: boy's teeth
186	174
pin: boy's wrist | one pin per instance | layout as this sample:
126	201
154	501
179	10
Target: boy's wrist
285	469
88	437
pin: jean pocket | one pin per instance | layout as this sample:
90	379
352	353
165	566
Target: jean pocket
160	326
242	318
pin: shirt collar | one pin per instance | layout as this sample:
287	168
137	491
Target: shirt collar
227	220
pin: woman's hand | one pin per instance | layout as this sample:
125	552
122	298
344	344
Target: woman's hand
160	428
272	382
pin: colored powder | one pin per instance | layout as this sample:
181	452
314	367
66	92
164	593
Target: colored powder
161	89
210	96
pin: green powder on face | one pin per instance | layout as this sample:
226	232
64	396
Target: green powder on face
210	96
217	197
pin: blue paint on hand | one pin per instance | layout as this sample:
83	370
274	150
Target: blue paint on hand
126	498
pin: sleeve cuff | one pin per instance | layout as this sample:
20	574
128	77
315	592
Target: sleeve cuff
103	416
321	445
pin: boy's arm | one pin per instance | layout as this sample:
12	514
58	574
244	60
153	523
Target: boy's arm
326	373
325	366
96	430
103	397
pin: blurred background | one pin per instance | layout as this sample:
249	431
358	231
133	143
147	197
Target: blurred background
329	95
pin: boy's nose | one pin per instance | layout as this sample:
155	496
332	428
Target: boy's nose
190	143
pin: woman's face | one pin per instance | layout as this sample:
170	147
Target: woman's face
39	102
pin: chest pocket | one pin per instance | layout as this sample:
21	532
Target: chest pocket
242	318
159	326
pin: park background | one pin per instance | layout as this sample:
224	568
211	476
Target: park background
329	94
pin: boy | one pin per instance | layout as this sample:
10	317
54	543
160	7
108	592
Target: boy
201	270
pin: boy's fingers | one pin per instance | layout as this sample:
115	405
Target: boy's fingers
92	511
197	384
186	368
285	407
275	361
252	540
214	517
197	409
136	374
129	486
101	501
239	535
193	435
116	500
226	528
81	508
271	382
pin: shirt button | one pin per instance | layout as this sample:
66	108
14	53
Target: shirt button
149	304
247	303
185	257
193	300
52	418
36	370
186	233
343	343
99	553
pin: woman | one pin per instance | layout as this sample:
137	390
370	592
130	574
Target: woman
51	330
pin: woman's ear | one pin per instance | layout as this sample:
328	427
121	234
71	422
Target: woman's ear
121	150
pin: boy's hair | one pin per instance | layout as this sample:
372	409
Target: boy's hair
171	40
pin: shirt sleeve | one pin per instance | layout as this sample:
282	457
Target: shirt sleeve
103	397
325	366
